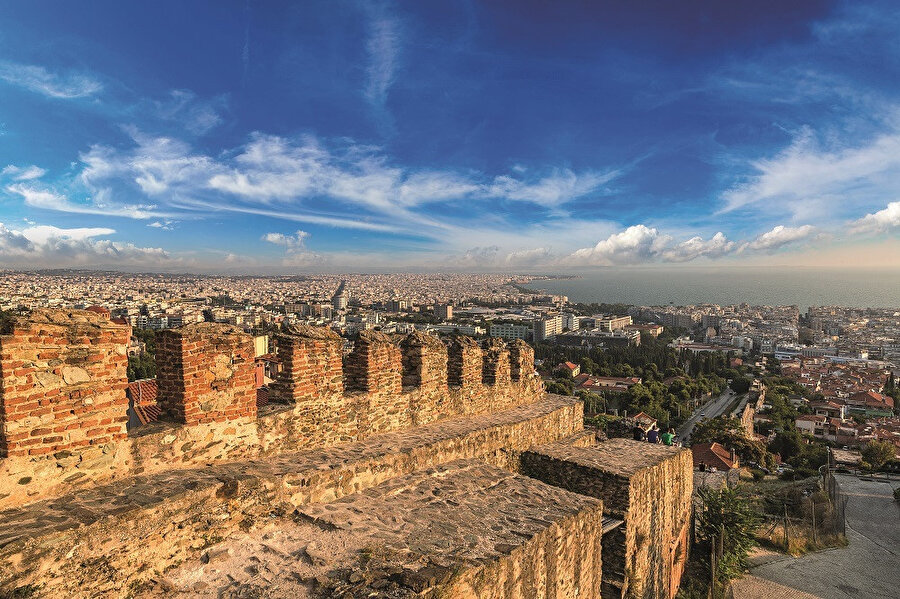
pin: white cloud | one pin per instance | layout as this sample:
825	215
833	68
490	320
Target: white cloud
779	237
807	175
383	49
695	247
165	225
561	186
48	200
27	173
335	183
183	107
38	79
635	244
878	222
44	245
532	257
641	244
41	234
291	243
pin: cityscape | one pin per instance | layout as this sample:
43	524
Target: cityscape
449	300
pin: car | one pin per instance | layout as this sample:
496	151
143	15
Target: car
702	414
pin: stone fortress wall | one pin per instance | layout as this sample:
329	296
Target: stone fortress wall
494	488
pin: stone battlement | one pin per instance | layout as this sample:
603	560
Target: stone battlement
63	406
404	467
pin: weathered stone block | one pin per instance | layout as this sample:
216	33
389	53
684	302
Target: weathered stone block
649	487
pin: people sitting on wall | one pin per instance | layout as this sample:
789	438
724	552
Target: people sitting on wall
668	437
653	435
637	432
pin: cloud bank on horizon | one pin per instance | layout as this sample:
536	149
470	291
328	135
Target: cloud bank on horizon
284	137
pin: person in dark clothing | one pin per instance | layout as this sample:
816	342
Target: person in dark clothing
653	435
637	432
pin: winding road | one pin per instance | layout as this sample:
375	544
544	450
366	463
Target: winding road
710	409
868	568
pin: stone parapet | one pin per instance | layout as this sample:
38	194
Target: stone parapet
105	539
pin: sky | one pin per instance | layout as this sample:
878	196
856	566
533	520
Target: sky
267	137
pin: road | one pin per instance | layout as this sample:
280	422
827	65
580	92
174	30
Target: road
711	409
868	568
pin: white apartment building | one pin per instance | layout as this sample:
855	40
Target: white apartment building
511	331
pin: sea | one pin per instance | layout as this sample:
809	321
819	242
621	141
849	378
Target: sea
802	287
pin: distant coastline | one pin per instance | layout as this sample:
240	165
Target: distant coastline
681	287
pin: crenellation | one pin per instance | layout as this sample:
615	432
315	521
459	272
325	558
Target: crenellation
495	369
464	362
205	374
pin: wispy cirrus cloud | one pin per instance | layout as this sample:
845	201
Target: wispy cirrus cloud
51	200
383	53
17	173
807	172
286	178
67	85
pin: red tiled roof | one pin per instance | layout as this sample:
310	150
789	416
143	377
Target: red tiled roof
143	395
714	455
872	399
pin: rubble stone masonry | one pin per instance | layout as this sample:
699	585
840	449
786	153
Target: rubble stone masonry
649	487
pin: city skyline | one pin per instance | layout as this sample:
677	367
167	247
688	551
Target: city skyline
242	137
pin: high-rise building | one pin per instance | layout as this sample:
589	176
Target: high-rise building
443	311
548	327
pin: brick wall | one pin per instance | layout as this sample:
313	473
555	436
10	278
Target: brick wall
495	368
312	368
205	373
62	383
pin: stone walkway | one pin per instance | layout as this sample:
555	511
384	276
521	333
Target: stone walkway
441	526
106	534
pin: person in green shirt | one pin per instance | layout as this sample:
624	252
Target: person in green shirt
668	437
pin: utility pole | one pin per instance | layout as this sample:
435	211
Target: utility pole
787	546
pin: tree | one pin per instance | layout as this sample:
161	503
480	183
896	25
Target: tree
787	443
740	384
878	453
724	510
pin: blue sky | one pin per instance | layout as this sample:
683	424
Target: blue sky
269	137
